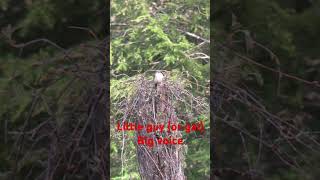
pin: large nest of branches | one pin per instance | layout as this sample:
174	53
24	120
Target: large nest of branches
147	104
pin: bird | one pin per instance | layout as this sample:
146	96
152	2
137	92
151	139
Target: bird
158	78
158	83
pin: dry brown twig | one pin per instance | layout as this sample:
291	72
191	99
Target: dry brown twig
161	161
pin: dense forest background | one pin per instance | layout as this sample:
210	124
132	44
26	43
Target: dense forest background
53	75
265	60
54	91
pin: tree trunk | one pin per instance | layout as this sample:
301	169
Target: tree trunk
161	161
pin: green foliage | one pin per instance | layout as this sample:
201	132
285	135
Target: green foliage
52	19
152	38
38	83
148	35
272	35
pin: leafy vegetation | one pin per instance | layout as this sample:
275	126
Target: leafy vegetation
266	50
151	35
264	89
51	90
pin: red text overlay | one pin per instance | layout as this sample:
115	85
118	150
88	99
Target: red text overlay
160	128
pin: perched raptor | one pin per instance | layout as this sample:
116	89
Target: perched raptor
158	78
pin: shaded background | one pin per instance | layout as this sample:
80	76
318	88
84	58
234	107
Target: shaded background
53	89
265	59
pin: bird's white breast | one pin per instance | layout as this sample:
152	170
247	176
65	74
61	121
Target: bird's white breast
158	77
